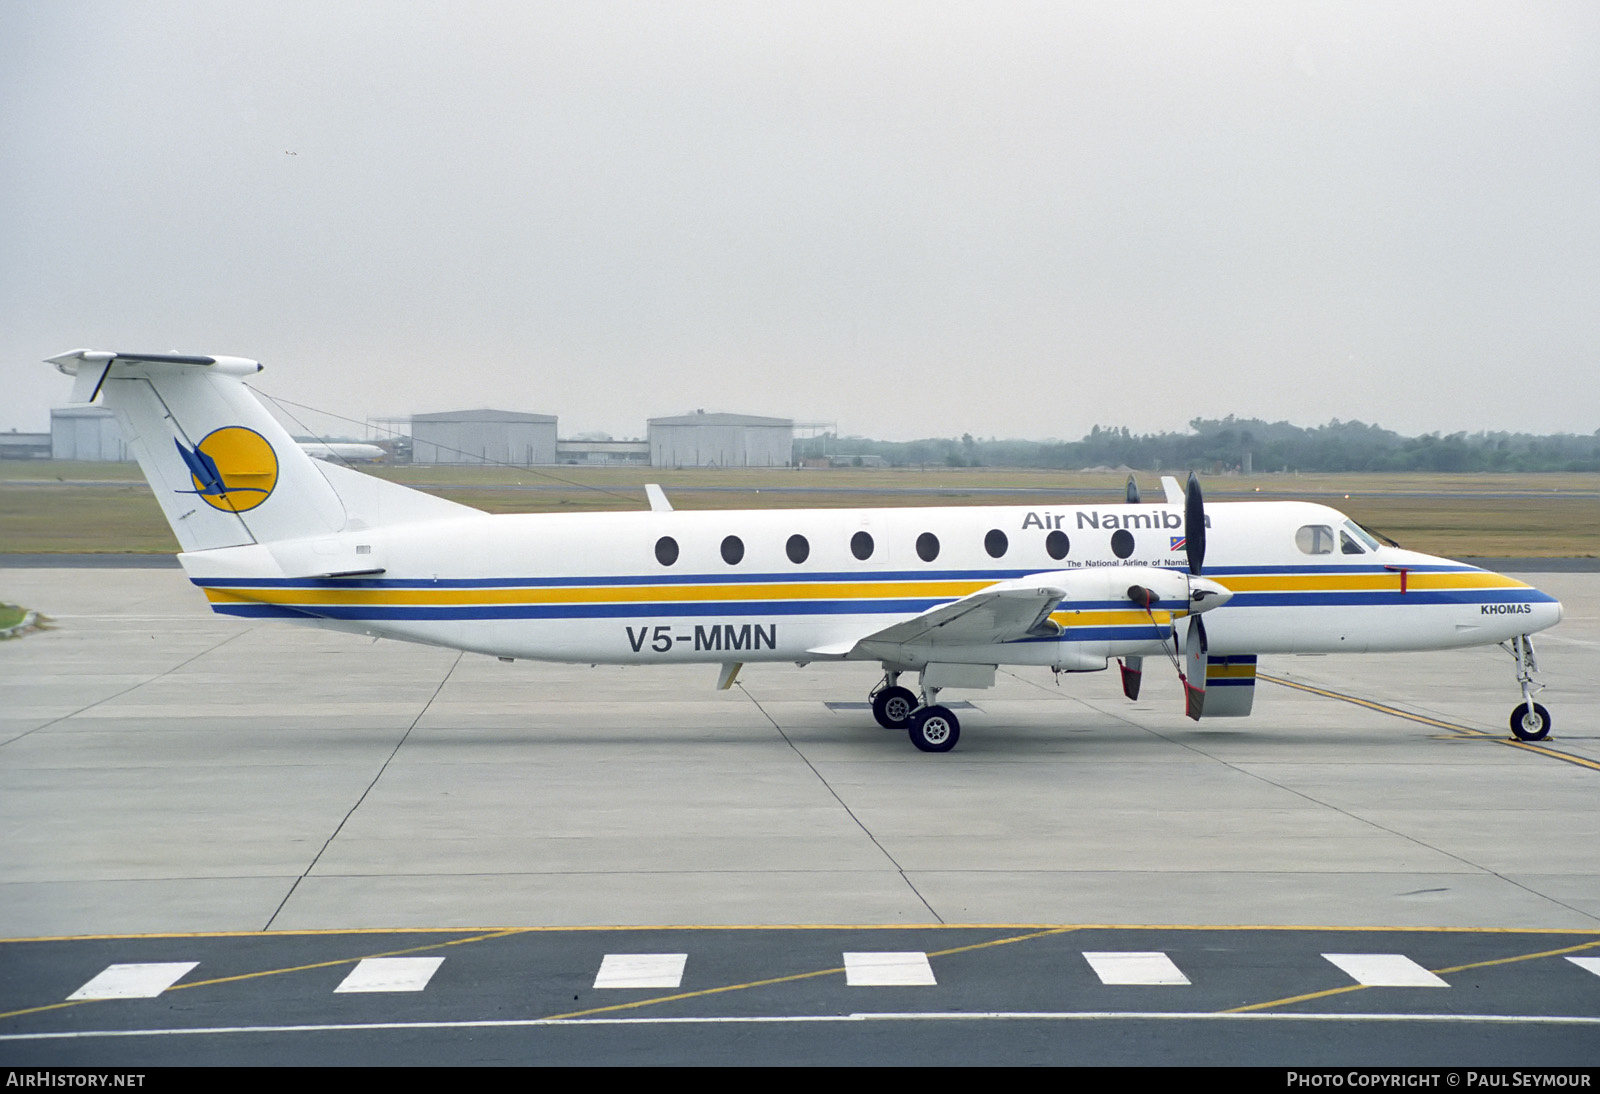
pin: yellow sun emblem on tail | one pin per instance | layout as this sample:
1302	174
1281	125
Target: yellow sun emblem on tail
233	469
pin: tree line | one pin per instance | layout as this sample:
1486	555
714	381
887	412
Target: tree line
1230	443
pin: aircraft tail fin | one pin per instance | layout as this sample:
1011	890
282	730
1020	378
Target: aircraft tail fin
225	473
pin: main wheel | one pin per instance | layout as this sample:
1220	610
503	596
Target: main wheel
934	729
892	706
1530	727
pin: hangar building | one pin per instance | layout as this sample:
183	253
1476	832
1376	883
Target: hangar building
86	433
721	440
483	436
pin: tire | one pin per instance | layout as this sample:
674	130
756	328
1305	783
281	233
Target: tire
893	706
934	729
1526	727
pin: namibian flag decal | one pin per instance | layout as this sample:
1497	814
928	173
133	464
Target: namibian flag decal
1179	543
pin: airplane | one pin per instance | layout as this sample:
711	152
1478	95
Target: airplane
950	594
348	451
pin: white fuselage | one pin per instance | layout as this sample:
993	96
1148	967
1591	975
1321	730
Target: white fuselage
592	588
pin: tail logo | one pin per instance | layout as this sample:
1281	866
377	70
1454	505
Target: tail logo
233	468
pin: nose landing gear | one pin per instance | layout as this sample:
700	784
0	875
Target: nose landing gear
1529	720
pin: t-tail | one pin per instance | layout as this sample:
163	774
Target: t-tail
241	495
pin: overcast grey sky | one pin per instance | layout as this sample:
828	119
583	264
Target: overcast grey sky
914	219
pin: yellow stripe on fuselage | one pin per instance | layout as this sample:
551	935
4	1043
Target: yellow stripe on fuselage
1284	583
1110	617
606	594
385	596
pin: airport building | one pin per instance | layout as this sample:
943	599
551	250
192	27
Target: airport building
24	446
605	453
483	436
86	433
721	440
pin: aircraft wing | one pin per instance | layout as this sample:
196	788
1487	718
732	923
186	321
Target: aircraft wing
999	613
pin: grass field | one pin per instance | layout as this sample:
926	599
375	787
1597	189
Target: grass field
48	507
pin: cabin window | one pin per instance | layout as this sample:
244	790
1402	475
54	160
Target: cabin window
1122	543
1314	539
995	543
1056	544
666	550
927	546
732	550
797	549
861	545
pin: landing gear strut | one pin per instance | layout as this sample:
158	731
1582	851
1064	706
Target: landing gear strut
891	704
1529	720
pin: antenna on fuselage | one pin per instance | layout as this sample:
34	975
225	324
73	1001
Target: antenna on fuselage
658	498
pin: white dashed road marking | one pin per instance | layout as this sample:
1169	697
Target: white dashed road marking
134	981
1385	970
391	974
641	970
1135	968
1592	964
909	969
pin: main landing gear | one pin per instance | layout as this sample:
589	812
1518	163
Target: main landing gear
892	705
1529	720
932	728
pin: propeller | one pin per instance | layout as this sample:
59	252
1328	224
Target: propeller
1194	646
1199	595
1133	490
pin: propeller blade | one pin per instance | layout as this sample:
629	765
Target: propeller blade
1194	682
1194	526
1133	490
1132	672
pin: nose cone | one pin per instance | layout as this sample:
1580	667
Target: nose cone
1205	594
1546	614
1519	609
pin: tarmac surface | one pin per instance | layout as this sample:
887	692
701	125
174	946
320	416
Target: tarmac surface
168	772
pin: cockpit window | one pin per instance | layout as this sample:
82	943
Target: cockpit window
1361	534
1314	539
1348	544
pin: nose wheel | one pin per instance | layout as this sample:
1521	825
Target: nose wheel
1529	720
1530	723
